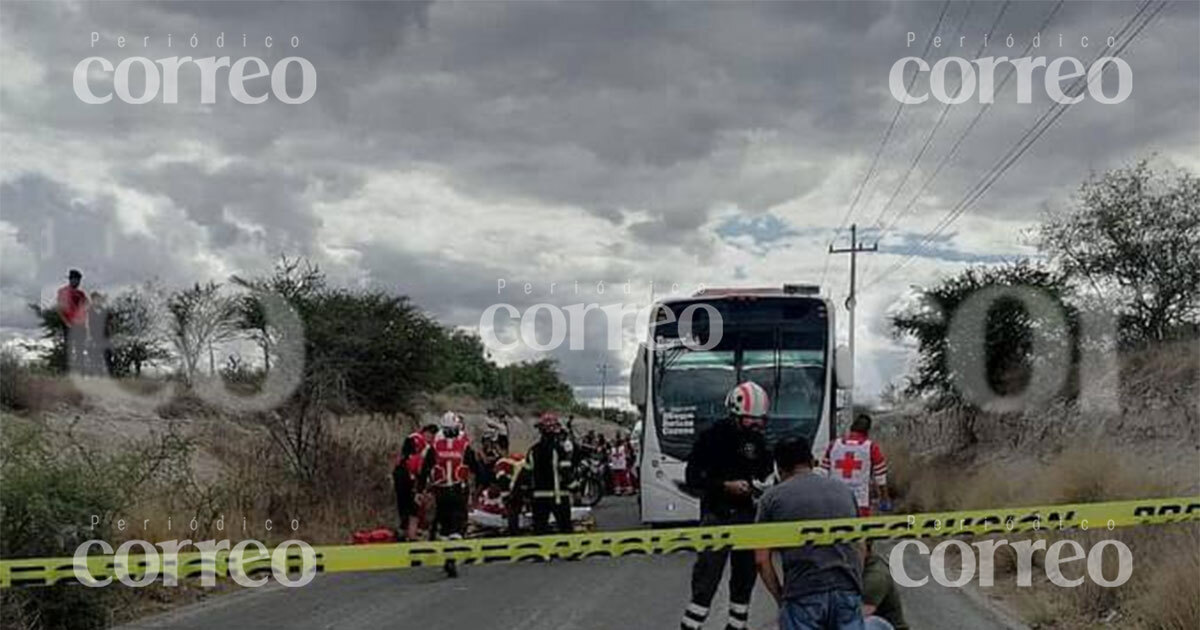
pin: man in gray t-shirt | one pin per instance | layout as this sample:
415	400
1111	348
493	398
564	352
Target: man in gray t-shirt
821	584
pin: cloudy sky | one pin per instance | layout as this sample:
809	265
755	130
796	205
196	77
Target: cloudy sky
449	145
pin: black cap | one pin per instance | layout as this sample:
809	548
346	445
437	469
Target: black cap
74	273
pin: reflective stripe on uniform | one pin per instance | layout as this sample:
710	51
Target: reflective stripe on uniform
739	615
554	463
693	617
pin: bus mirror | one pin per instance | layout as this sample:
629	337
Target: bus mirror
843	368
637	378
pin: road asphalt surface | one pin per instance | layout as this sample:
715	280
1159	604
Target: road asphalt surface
619	594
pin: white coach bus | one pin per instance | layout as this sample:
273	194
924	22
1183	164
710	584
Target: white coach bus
782	339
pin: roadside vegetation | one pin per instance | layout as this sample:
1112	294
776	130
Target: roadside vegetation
374	366
1128	248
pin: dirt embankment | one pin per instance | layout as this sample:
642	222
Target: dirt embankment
149	469
1144	443
244	467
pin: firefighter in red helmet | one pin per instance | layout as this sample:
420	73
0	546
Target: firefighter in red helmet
547	473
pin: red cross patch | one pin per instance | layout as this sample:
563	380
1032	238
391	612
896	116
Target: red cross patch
848	464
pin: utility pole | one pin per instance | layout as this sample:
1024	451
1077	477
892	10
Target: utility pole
602	368
854	250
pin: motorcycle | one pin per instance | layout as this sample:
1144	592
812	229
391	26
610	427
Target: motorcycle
590	480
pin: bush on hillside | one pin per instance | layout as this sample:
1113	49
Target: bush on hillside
50	493
13	381
1010	333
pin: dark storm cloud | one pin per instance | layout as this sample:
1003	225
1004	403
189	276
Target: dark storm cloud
651	116
58	230
630	106
618	105
459	293
238	193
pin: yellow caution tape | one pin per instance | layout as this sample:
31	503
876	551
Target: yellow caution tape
379	557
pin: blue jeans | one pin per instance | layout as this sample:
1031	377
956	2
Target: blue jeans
831	610
877	623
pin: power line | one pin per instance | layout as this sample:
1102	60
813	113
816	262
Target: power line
883	142
878	222
1050	116
962	136
1020	147
1054	112
937	125
892	125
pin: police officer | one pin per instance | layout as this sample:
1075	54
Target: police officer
547	469
724	463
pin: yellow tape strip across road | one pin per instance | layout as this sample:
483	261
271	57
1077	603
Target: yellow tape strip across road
347	558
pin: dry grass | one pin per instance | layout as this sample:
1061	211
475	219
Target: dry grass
36	393
1164	591
1075	475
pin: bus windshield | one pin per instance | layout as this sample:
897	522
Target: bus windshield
786	357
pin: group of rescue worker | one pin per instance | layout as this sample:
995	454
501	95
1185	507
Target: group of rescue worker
438	469
730	468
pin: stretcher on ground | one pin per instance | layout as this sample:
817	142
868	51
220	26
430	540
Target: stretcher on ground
486	523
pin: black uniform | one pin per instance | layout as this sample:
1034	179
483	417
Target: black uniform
724	452
548	471
405	484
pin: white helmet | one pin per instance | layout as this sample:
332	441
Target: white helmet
450	420
748	399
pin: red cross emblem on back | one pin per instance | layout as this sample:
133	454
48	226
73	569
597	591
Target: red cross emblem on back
848	464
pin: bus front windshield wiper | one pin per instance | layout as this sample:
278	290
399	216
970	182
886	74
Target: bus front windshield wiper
669	357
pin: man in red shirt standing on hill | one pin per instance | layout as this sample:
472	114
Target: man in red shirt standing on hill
73	309
856	460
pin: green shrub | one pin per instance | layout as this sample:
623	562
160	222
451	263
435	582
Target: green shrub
46	503
461	389
12	380
49	495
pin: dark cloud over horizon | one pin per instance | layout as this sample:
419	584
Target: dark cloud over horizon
452	143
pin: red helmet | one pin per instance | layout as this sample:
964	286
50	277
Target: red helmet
549	422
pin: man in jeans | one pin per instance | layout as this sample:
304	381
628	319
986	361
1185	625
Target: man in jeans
821	584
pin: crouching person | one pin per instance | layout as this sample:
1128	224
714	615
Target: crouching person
822	585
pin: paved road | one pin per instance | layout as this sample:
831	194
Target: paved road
625	594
